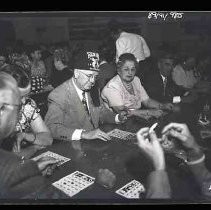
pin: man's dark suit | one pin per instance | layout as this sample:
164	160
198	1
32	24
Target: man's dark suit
153	84
66	112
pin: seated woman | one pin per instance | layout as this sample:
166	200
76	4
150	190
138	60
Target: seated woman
31	127
38	70
125	91
61	70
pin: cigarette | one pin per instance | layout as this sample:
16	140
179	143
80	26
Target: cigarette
153	127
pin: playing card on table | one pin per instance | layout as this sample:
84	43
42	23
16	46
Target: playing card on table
131	190
58	157
74	183
120	134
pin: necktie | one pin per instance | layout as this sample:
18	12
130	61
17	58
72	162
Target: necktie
164	86
84	102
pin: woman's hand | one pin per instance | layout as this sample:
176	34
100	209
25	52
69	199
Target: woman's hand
155	113
20	137
144	114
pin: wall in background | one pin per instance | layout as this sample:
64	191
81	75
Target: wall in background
40	29
89	27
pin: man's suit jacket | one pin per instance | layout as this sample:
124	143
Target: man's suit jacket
153	84
18	179
66	112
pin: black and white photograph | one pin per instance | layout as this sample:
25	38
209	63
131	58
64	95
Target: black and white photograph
105	107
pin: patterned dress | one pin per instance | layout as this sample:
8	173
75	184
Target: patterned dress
29	112
38	74
38	70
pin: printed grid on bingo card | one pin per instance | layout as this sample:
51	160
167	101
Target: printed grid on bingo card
131	190
58	157
74	183
120	134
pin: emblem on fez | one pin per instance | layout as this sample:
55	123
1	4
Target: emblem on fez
93	59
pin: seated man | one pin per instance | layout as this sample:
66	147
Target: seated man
158	82
72	112
125	91
18	177
187	76
158	182
106	66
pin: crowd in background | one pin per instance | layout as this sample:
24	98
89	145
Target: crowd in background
54	62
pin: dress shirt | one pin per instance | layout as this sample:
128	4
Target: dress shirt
184	78
163	78
77	133
132	43
164	84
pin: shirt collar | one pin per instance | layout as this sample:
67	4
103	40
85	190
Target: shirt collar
163	78
78	90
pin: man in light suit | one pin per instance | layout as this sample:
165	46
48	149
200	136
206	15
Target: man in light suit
158	82
72	112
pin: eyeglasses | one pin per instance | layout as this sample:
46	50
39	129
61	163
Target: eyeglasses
90	76
5	106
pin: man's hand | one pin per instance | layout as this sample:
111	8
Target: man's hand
168	107
46	165
181	132
171	107
149	143
95	134
193	96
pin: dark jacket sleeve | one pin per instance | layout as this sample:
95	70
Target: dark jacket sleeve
203	178
158	186
18	178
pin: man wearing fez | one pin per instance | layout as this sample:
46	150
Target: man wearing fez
73	112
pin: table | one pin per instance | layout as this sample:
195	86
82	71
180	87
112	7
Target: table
125	160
